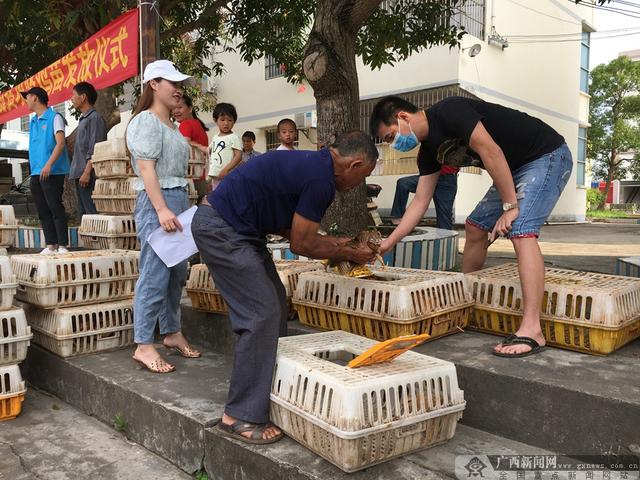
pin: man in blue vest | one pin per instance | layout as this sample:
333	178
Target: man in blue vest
49	163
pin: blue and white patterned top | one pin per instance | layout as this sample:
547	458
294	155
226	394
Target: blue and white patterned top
150	139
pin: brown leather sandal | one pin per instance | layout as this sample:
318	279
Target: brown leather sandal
237	428
187	351
156	366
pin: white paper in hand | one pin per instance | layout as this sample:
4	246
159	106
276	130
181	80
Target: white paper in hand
174	247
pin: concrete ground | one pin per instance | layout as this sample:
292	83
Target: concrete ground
51	440
590	247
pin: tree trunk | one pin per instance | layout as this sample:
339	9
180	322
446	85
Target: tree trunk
330	67
607	186
107	107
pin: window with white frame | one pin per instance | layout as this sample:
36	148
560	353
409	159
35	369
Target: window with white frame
60	108
24	123
273	142
469	14
582	156
272	69
585	45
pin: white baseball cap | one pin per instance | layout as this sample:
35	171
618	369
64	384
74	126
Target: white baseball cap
164	69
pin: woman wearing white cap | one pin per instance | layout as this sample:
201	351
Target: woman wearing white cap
159	156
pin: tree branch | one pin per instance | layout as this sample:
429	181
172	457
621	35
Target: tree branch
208	12
167	6
361	11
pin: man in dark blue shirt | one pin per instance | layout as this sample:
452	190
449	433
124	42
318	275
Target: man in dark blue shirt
283	192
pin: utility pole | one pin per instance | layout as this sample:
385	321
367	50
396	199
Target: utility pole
149	32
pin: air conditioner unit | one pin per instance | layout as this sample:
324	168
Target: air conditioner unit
306	119
208	84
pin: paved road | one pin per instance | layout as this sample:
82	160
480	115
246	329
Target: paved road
591	247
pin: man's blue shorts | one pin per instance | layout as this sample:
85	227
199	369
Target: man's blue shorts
538	187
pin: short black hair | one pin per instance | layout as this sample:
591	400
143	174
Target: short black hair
85	88
356	142
249	134
284	121
225	109
385	111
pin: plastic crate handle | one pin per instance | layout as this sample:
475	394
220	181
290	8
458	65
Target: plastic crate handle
411	429
109	336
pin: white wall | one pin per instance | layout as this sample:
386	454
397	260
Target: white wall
541	79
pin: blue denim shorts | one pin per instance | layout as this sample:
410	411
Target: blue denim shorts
538	187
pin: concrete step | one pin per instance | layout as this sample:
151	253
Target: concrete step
565	401
54	441
558	401
172	415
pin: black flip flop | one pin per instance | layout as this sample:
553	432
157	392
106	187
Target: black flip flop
515	340
237	428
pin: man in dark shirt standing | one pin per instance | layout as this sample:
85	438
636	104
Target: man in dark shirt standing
529	163
286	193
91	130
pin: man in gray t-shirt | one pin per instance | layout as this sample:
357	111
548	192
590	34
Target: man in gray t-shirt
91	130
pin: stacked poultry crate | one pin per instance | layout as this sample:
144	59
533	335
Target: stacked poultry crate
205	297
15	336
78	302
109	232
115	197
8	225
583	311
392	302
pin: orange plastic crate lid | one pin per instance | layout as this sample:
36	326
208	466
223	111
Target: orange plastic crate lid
387	350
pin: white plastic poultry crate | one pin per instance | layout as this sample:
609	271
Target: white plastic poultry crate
115	187
75	278
12	392
397	301
15	336
7	216
112	167
588	312
359	417
87	329
197	163
204	295
11	382
109	232
8	226
195	168
6	272
112	148
8	284
117	196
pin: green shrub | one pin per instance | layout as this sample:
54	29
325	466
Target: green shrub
594	198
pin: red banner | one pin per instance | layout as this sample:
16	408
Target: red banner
109	57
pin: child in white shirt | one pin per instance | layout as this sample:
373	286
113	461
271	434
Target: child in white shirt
226	147
287	134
